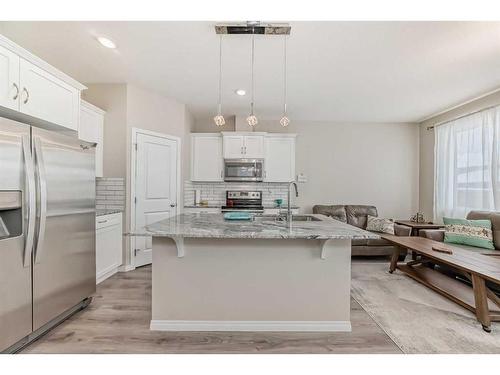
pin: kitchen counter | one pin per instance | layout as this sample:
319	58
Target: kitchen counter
109	211
214	226
218	206
210	274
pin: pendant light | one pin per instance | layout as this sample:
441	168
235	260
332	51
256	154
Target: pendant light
219	119
252	119
284	121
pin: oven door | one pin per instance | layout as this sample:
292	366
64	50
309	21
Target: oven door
243	170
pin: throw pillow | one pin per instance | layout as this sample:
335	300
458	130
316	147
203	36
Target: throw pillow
378	224
468	232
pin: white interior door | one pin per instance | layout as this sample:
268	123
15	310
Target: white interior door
155	187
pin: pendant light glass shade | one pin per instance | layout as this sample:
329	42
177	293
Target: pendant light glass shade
219	119
252	119
284	121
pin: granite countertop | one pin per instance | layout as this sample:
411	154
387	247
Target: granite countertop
109	211
205	225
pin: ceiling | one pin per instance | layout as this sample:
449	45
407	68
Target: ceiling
337	71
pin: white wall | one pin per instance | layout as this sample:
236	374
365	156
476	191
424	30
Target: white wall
374	163
426	177
128	106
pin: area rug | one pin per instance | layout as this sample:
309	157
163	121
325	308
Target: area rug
416	318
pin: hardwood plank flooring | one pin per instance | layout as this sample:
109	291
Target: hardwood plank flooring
117	321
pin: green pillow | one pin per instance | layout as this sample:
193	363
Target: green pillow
468	232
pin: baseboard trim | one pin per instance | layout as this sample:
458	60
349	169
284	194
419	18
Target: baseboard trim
103	275
250	325
126	268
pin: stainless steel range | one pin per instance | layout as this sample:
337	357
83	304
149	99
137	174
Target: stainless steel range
249	201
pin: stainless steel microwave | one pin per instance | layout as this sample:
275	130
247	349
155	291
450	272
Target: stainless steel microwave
243	170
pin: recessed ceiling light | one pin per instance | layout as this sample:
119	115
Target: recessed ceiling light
240	92
108	43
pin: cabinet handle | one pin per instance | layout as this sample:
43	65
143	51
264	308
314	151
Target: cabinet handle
245	150
27	95
17	91
173	205
102	221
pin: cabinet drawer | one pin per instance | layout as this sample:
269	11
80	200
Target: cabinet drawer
107	220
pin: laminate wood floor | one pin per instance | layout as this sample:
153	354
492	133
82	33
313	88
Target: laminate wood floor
117	321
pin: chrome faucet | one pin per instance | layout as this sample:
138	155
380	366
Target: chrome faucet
289	210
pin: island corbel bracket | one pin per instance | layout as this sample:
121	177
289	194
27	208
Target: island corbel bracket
323	249
179	243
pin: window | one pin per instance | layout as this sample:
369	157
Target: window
467	165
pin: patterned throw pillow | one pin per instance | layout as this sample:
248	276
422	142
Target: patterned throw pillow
378	224
468	232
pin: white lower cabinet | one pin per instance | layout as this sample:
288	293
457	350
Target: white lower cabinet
108	245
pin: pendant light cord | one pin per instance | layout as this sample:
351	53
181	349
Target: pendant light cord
253	49
284	75
220	74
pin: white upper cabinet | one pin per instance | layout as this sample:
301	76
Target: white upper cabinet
47	97
9	79
35	92
279	164
233	146
206	157
91	129
254	146
246	146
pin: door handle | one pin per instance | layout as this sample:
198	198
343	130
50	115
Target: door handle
42	189
27	95
173	205
17	91
30	193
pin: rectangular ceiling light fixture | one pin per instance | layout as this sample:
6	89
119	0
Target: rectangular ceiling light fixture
253	27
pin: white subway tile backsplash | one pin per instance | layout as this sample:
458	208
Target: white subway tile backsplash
110	193
215	193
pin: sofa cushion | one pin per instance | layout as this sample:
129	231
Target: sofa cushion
468	232
336	212
494	217
359	242
475	249
379	225
357	214
378	242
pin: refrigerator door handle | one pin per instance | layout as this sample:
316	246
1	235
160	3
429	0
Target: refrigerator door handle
30	193
42	188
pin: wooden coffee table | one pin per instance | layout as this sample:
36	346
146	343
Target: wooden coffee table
476	267
415	227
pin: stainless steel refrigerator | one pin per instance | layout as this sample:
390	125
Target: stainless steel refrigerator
47	230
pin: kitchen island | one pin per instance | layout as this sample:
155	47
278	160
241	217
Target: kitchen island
262	275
